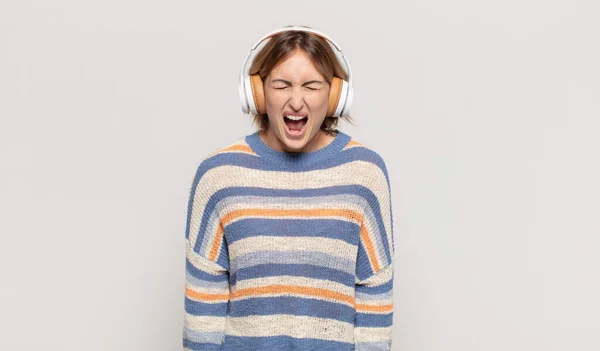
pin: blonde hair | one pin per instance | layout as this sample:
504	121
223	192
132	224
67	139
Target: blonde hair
283	45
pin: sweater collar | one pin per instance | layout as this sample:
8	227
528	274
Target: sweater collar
285	158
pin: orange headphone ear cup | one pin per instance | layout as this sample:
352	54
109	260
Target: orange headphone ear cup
335	91
258	93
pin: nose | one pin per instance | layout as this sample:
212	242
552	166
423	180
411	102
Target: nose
296	100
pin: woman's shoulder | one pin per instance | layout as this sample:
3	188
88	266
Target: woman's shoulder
222	155
236	145
364	151
372	166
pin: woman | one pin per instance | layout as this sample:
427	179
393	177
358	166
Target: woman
289	229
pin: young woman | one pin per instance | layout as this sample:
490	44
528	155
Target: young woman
289	229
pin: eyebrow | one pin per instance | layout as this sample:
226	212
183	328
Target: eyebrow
288	82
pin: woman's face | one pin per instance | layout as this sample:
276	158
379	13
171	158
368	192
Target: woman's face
295	88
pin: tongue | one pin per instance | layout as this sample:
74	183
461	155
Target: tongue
295	125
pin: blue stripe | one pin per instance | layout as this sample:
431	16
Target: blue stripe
374	320
313	227
190	279
198	308
363	266
292	305
201	346
379	289
202	275
202	336
297	270
374	297
293	257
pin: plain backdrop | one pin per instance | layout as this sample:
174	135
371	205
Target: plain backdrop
486	113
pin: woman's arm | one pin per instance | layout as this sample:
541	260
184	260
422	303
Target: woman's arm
375	270
207	272
206	299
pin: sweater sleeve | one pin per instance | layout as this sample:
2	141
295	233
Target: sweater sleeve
206	273
375	270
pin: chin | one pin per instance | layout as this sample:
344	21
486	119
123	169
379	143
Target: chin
294	143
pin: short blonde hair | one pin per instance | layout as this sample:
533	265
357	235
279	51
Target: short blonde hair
283	45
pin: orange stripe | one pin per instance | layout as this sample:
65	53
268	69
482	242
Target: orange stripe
374	308
350	214
233	148
364	235
239	147
318	292
206	297
353	143
214	250
302	290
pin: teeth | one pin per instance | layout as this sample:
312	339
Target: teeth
295	118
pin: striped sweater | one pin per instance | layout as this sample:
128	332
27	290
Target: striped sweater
289	251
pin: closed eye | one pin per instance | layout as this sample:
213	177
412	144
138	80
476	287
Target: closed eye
286	87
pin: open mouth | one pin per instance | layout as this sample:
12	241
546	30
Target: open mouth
294	125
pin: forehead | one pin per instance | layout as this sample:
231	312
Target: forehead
298	65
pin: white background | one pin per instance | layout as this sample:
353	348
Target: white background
486	113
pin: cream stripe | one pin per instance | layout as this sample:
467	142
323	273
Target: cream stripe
334	247
384	275
365	334
203	263
344	201
294	326
206	290
205	323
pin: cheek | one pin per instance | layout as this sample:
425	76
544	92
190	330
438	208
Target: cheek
273	105
272	100
318	102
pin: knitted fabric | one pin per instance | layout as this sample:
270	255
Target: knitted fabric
289	251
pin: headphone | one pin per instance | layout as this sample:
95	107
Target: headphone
251	89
